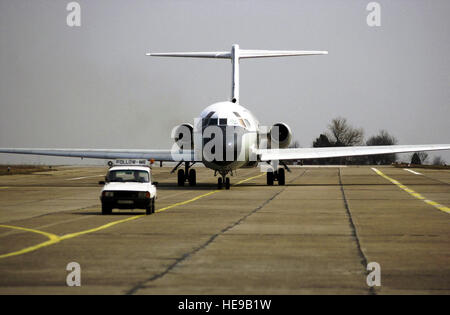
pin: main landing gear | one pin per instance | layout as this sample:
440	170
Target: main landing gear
186	175
278	175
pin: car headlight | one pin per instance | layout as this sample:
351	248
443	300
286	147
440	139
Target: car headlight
108	194
143	194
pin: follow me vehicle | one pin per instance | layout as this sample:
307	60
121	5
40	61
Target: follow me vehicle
128	186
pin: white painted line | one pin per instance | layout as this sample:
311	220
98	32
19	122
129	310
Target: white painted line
411	171
77	178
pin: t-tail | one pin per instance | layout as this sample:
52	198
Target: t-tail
235	55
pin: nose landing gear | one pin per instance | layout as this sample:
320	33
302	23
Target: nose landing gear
278	175
227	183
223	180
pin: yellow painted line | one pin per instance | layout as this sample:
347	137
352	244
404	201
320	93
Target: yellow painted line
204	195
4	187
250	178
413	193
187	201
102	227
53	239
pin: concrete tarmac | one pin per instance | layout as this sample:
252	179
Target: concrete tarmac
315	235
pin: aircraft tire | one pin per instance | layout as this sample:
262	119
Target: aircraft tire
181	178
270	176
281	177
227	183
192	178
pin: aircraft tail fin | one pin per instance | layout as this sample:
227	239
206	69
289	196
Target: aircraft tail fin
235	54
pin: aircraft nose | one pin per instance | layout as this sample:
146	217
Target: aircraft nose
230	144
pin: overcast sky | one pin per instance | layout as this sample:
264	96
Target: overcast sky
93	87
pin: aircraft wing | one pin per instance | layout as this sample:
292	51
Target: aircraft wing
330	152
157	155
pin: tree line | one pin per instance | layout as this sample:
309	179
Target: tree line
341	134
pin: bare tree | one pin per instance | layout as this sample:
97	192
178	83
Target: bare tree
322	141
419	158
344	134
438	161
383	138
340	134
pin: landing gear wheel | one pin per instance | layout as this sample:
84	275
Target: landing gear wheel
281	177
270	177
192	178
106	210
181	178
219	183
227	183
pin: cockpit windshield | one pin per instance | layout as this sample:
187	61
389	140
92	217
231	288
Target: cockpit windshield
128	176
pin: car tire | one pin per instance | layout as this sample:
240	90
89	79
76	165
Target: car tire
153	205
148	209
106	210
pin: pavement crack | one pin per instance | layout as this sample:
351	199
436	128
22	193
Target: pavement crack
355	235
187	255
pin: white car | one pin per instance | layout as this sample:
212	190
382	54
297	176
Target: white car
128	187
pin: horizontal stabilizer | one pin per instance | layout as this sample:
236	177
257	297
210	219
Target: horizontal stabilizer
243	53
210	54
246	53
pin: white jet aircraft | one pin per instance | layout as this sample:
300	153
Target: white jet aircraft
224	115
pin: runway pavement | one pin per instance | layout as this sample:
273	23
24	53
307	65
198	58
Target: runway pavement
315	235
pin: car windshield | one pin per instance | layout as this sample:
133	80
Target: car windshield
128	176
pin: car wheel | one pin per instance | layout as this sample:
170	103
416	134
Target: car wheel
106	210
148	209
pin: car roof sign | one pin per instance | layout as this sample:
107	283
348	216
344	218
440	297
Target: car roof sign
128	162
